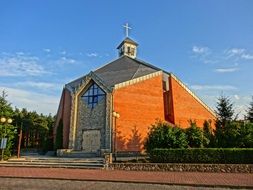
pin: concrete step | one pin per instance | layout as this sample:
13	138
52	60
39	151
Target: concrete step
53	164
78	154
55	160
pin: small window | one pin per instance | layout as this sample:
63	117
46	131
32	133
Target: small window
132	51
128	50
93	95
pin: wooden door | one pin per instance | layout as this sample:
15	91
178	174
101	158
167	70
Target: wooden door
91	141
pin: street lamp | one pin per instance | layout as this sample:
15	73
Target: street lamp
116	116
4	121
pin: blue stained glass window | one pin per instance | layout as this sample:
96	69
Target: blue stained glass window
93	95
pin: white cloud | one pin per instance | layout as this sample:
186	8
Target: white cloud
239	53
235	51
63	52
213	87
237	97
20	53
21	65
200	49
39	85
240	102
92	54
247	56
47	50
65	60
41	103
226	70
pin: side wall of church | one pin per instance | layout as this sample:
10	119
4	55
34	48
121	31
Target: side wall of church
139	105
64	114
186	107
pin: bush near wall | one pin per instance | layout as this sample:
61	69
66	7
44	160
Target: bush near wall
203	155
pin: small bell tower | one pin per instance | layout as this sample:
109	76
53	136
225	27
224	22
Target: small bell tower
127	47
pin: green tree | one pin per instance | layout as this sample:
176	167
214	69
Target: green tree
47	140
246	135
208	134
224	112
163	135
194	135
59	136
7	130
37	129
231	135
249	115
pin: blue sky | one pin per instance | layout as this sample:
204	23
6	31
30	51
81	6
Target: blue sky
45	44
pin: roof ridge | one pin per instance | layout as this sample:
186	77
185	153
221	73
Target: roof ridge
107	63
136	71
150	65
146	64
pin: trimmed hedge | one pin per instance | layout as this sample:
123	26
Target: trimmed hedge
203	155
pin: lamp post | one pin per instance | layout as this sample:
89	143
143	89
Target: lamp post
4	121
116	116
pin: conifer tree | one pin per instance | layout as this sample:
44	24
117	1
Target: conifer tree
224	112
250	112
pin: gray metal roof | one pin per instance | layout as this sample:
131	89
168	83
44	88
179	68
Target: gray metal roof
120	70
123	69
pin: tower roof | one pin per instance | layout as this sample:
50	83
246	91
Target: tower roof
127	40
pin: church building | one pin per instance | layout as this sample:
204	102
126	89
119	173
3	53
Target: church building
111	108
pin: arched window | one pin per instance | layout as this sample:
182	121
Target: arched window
93	95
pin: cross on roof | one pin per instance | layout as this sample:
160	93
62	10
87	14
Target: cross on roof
127	28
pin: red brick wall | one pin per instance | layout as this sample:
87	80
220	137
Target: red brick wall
139	105
64	114
186	107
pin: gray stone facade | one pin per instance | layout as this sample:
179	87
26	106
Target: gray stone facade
90	119
97	118
84	118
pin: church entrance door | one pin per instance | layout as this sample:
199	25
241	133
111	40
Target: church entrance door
91	141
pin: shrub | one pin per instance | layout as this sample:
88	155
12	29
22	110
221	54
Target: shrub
194	135
246	135
203	155
163	135
208	134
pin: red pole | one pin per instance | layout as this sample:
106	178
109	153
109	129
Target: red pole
19	142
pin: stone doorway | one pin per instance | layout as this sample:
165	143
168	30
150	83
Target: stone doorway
91	141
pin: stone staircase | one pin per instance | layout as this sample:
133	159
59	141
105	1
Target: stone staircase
54	162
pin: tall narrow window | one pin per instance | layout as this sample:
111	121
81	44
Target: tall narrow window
93	95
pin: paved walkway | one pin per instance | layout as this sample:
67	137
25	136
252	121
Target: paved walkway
42	184
175	178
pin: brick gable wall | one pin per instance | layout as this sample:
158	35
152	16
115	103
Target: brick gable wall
186	106
139	105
